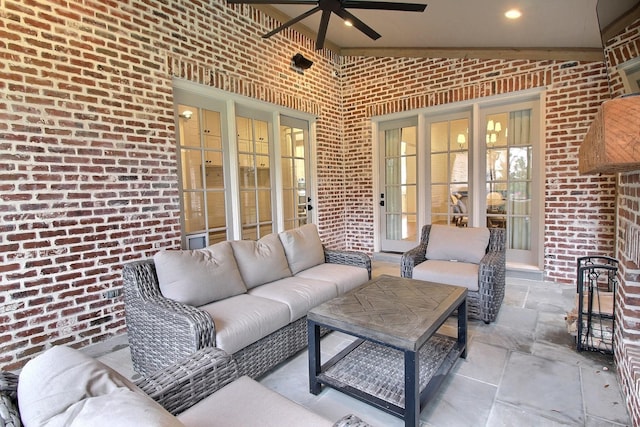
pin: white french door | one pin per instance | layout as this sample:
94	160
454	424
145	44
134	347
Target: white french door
398	198
511	191
477	165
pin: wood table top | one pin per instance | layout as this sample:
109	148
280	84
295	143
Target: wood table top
394	311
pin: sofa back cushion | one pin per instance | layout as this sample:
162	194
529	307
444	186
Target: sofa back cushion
261	261
464	244
303	247
64	387
200	276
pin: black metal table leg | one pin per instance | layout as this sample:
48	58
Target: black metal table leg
313	331
462	328
411	389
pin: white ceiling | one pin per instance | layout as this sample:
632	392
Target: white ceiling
473	24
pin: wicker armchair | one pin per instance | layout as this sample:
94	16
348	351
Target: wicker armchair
484	303
162	331
176	388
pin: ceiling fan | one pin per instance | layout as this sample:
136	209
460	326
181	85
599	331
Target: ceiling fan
339	7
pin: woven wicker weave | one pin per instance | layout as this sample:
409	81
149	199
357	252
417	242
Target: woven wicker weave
379	370
9	415
163	331
484	303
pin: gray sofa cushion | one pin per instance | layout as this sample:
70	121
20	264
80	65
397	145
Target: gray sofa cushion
303	247
345	277
448	272
261	261
245	402
244	319
464	244
298	293
64	387
201	276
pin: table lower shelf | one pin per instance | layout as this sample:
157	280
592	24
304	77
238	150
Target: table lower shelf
375	373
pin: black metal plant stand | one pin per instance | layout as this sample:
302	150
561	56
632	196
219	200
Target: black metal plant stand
596	286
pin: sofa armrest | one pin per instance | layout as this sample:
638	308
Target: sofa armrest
160	331
491	284
411	258
9	413
181	385
358	259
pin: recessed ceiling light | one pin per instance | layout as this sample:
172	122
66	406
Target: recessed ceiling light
513	14
348	23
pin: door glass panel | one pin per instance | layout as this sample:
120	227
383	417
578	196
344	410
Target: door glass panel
509	175
254	176
202	175
449	179
194	212
191	169
293	137
400	192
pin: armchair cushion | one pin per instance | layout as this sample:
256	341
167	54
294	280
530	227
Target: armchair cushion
303	247
457	244
448	272
246	402
201	276
261	261
64	387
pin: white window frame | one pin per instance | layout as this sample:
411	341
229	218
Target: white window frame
186	92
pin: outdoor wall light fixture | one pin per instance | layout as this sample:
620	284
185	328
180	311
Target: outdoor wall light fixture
186	114
300	63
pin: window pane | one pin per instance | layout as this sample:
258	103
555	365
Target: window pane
217	236
460	167
214	176
520	162
263	172
250	232
439	137
191	169
211	130
439	170
440	199
264	205
194	211
216	209
188	126
248	208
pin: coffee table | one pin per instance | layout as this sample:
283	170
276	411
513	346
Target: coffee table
399	361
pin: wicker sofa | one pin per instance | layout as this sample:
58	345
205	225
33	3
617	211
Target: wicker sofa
249	298
470	257
63	386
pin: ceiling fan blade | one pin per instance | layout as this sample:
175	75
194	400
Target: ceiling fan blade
291	22
384	5
309	2
358	24
322	31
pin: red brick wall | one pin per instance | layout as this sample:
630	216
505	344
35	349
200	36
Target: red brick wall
88	173
627	338
579	211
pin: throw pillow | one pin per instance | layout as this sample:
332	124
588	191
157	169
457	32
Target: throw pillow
201	276
303	247
64	387
261	261
464	244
